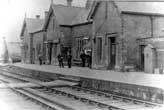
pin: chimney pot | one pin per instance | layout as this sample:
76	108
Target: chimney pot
69	2
37	16
46	14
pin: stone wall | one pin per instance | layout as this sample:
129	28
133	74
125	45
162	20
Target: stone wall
133	91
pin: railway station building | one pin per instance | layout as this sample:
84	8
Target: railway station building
119	33
115	32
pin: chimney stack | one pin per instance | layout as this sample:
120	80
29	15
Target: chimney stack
46	14
37	16
69	2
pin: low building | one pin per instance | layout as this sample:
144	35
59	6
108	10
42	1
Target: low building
117	28
30	26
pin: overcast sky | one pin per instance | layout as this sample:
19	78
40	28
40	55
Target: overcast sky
12	13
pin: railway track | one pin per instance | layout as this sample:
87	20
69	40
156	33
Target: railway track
78	98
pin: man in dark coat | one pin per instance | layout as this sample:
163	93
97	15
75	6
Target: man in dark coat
40	59
60	60
69	60
89	59
83	57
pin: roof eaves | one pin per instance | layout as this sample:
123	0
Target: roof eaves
84	23
37	31
72	25
142	13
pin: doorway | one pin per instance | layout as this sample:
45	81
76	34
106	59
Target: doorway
49	52
142	58
112	52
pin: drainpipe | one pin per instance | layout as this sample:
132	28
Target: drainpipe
152	29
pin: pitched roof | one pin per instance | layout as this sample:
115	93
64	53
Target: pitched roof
81	17
32	25
141	7
66	14
151	8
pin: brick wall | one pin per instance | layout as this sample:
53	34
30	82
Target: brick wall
80	31
37	46
135	26
106	21
128	28
66	31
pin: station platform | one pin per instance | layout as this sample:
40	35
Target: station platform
137	85
134	78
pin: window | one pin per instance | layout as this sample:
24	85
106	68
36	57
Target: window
79	46
38	48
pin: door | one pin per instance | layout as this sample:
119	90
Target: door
49	52
142	58
112	52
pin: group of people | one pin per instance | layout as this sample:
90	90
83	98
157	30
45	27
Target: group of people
69	60
86	58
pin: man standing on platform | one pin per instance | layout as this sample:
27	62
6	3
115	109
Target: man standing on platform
69	60
83	56
40	59
60	60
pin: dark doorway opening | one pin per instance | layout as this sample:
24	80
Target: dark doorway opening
49	52
112	52
142	58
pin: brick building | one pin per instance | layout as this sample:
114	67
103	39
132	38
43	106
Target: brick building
119	30
30	26
66	29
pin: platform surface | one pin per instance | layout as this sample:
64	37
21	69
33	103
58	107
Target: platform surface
136	78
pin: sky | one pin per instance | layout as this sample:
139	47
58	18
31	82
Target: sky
12	13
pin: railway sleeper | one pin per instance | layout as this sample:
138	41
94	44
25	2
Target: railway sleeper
124	99
114	108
